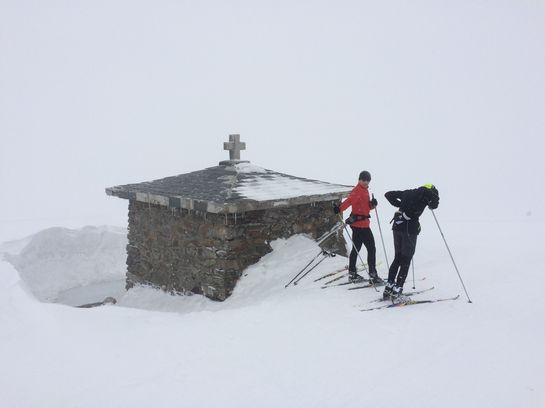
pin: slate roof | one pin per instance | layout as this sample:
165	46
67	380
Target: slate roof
232	187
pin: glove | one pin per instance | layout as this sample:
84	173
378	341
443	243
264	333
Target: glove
433	198
373	203
336	209
433	203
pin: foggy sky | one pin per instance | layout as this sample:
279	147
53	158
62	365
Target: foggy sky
100	93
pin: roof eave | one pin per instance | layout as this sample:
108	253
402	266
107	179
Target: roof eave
221	208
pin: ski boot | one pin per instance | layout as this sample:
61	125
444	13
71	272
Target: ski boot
354	277
387	294
375	279
397	295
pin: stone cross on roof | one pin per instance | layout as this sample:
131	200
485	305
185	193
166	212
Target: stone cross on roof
234	145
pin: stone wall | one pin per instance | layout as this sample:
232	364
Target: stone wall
181	251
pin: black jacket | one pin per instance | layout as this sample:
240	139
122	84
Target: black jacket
411	204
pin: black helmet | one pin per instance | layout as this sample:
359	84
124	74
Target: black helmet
365	176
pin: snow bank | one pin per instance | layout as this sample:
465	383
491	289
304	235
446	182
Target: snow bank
59	259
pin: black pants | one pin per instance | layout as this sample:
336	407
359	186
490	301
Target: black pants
404	245
363	236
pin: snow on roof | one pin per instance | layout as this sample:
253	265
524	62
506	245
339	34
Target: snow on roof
247	167
280	186
232	187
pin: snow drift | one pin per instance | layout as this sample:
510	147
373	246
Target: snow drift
57	260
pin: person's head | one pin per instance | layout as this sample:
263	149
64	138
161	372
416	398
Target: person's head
364	178
432	195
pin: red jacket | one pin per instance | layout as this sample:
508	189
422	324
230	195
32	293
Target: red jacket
361	205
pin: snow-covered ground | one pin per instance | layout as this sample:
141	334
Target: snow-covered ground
267	346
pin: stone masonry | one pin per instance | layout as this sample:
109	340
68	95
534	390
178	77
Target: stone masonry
183	251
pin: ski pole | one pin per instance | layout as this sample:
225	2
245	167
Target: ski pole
354	246
305	267
381	237
326	254
359	256
451	257
412	262
323	238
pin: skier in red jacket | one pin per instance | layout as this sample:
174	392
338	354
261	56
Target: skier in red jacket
359	222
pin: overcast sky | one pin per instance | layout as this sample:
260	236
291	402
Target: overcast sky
100	93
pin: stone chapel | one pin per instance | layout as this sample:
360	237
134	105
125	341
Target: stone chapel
197	232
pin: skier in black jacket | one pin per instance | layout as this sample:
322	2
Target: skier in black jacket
406	227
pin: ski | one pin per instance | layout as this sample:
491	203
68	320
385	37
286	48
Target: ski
350	283
409	303
361	268
334	280
382	284
366	281
327	275
331	274
415	292
368	285
330	233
